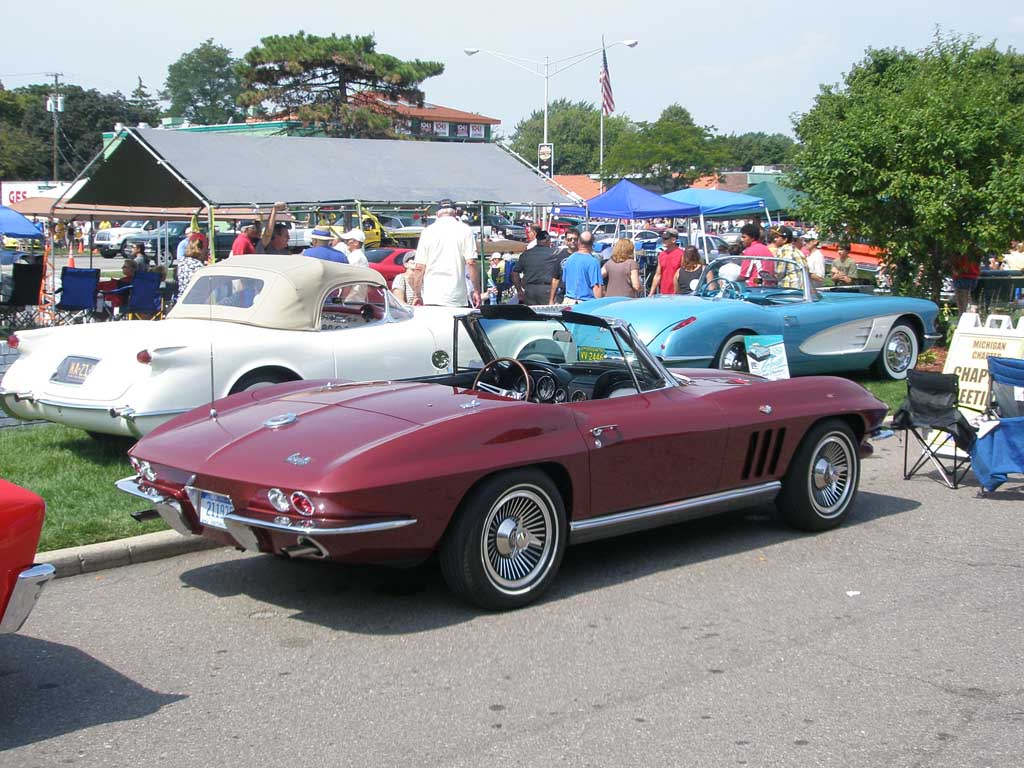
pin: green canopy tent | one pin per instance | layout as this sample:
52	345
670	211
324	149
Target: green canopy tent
777	199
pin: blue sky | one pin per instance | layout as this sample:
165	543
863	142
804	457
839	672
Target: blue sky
740	67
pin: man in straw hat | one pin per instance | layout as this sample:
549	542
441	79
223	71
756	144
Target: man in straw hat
320	246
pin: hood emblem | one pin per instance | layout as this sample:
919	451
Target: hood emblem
765	409
279	421
474	403
298	459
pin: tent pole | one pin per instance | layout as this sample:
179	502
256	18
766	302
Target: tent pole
481	263
210	234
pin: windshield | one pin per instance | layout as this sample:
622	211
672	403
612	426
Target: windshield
134	224
224	291
559	342
377	255
760	279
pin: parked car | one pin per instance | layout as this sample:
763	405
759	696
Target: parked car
21	581
244	323
388	261
824	332
165	238
730	236
524	447
111	241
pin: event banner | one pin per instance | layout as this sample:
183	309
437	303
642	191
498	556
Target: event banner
766	356
972	345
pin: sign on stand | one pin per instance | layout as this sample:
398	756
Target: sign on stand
973	343
766	356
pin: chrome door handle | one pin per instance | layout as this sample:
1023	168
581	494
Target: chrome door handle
598	431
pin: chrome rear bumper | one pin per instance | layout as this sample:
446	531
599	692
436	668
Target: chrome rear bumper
243	529
26	592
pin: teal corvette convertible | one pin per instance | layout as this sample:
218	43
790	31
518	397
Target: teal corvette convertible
824	331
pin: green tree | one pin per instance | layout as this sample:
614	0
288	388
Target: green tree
668	154
142	100
919	153
741	151
22	156
87	114
203	85
574	127
321	79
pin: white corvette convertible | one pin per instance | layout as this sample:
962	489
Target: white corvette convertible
246	322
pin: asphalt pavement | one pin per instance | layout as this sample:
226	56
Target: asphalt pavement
894	640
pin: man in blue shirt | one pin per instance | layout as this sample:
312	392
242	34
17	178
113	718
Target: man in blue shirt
581	273
320	246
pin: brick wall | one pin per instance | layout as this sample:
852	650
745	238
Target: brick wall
8	356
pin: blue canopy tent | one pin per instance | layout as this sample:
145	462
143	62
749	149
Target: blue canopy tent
13	224
716	202
626	200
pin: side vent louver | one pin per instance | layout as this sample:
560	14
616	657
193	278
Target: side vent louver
763	451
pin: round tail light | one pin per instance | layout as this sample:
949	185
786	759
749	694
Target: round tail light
303	504
13	341
144	357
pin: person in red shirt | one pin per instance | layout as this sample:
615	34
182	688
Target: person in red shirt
754	250
248	236
669	261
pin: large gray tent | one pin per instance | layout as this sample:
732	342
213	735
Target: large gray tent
167	168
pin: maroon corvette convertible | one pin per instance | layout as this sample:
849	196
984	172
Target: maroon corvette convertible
549	429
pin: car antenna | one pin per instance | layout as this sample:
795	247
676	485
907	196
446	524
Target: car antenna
209	306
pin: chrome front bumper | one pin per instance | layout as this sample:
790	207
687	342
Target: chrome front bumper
26	592
242	528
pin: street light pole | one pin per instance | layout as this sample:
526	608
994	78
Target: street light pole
550	68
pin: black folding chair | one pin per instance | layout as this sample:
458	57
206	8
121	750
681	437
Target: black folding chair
931	407
22	306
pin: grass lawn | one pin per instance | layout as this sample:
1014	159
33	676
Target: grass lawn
75	475
892	393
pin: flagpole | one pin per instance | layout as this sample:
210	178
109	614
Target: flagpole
600	170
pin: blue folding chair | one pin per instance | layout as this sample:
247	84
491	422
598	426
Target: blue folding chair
145	298
78	291
999	449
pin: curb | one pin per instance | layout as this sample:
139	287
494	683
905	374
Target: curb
75	561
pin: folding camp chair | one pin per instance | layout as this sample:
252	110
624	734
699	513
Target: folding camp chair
931	416
999	449
78	291
21	307
144	302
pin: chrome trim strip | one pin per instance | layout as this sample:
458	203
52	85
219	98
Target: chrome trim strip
672	512
687	359
935	336
27	589
71	406
312	530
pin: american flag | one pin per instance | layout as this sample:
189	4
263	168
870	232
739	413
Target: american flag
607	98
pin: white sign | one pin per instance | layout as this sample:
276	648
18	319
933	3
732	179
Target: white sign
15	191
476	131
766	356
440	129
973	344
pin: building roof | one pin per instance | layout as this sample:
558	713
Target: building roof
179	168
580	184
432	112
732	181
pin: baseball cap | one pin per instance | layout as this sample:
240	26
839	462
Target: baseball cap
354	234
445	202
670	232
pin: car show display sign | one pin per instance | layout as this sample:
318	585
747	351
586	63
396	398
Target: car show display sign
766	356
546	159
973	343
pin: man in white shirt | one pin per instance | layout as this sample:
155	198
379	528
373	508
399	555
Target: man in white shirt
445	257
351	244
815	258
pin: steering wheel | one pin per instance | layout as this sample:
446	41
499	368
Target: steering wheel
727	289
366	312
495	390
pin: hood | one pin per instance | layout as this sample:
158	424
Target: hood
650	316
329	424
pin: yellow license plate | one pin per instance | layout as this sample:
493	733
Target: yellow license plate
591	353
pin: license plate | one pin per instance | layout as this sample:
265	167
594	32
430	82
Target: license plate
590	353
213	507
74	370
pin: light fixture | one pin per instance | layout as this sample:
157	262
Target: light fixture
630	43
471	51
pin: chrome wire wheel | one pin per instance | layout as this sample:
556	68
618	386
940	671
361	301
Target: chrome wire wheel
733	356
833	475
898	350
519	539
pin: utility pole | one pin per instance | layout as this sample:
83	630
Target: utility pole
55	104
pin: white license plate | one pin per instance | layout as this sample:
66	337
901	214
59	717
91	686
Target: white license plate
213	507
